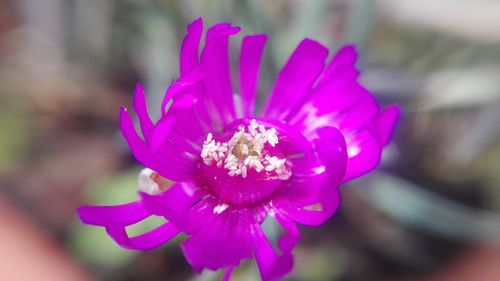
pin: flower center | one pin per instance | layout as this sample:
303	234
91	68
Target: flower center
250	148
244	166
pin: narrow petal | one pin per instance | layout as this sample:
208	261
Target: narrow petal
116	218
190	46
137	146
121	214
273	266
296	79
215	63
141	110
227	274
251	54
147	241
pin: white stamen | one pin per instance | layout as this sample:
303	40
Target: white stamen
245	150
220	208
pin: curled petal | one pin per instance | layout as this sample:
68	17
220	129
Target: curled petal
147	241
126	214
364	153
139	149
116	218
190	46
141	110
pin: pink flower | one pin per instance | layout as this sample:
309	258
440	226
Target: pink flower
233	166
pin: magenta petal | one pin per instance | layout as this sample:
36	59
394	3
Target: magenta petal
147	241
190	45
215	63
174	204
139	149
222	240
288	241
122	214
271	265
386	122
251	54
141	110
364	153
296	79
358	116
332	150
343	61
313	217
172	162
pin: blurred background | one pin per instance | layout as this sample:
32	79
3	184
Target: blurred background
431	212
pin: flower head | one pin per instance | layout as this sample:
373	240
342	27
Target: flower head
233	167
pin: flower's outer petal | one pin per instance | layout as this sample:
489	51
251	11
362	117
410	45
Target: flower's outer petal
386	122
221	239
364	153
316	214
365	145
141	110
137	146
251	54
125	214
165	165
190	46
343	63
274	266
218	92
296	79
331	148
147	241
341	103
116	218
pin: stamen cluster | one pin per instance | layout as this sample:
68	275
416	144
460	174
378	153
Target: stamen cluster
246	150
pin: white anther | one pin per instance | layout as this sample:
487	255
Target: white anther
220	208
249	144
